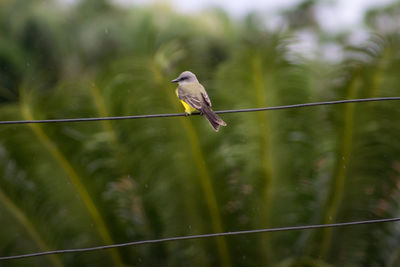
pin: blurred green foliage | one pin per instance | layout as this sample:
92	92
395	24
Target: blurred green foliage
77	185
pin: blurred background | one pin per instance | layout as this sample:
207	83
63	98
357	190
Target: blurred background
73	185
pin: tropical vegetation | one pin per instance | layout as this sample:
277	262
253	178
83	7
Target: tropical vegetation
74	185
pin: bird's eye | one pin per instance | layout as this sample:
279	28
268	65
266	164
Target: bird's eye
183	78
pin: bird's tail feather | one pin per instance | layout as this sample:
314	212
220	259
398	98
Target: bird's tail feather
213	118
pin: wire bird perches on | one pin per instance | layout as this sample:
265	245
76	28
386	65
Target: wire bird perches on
170	239
218	112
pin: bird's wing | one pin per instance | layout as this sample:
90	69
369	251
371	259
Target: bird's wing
191	99
204	95
206	98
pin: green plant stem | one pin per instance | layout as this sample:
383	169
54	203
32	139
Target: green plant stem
75	180
28	225
102	111
339	176
265	136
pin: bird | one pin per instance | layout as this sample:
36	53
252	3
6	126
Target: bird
194	97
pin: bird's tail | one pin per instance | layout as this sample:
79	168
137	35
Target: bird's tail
213	118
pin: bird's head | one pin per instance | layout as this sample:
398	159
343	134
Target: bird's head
185	77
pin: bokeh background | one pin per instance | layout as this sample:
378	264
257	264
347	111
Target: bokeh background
73	185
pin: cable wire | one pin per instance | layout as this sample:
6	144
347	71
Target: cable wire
218	112
178	238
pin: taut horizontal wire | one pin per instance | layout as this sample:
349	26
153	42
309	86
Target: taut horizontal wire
219	112
170	239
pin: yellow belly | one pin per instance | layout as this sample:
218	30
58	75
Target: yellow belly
188	109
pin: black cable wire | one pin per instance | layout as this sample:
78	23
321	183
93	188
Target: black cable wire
218	112
170	239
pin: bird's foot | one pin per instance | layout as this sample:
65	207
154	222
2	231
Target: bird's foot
186	114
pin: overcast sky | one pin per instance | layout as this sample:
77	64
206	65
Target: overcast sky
341	14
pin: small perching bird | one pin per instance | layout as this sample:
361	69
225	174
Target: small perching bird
194	97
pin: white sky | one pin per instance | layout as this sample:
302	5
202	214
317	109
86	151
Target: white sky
340	14
334	15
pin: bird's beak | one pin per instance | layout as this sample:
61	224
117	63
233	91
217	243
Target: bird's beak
175	81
